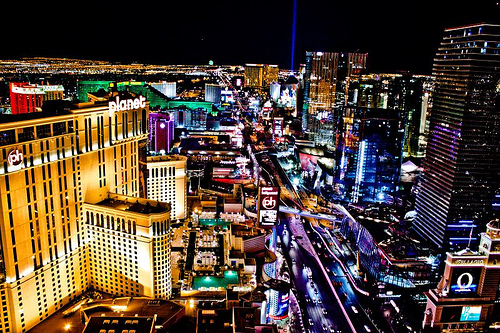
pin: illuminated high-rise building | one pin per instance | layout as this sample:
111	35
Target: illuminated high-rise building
28	98
161	132
369	153
325	74
213	93
274	91
259	75
168	89
70	213
412	94
321	77
129	246
166	182
461	174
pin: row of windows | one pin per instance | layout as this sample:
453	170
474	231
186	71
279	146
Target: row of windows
108	222
114	270
163	172
8	137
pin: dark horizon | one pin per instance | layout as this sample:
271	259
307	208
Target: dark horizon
396	38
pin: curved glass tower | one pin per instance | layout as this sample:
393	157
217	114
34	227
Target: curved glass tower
461	168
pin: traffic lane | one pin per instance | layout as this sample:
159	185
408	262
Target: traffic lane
331	308
320	320
325	286
307	295
335	315
352	303
350	300
296	273
321	308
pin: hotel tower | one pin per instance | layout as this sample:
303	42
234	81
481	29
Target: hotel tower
460	188
70	213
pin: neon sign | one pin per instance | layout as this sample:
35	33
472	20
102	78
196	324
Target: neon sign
126	104
15	157
469	262
464	281
268	206
465	285
470	313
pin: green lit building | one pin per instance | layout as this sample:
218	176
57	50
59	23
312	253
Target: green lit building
84	87
191	105
155	98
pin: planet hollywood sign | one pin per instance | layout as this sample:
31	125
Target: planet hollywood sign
268	206
126	104
15	157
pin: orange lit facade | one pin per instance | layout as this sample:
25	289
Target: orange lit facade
55	173
259	75
166	182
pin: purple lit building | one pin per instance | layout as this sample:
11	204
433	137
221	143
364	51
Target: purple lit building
461	180
161	132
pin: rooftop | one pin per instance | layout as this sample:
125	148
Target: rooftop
134	204
166	158
69	315
119	324
49	109
217	321
208	282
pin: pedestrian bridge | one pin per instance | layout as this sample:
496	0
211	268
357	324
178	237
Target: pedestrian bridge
304	213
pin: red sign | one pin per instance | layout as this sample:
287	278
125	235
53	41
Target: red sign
15	157
268	205
269	202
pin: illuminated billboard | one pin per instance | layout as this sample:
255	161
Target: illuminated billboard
268	205
464	281
470	313
281	310
278	126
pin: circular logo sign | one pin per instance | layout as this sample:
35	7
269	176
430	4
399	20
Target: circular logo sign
268	202
15	157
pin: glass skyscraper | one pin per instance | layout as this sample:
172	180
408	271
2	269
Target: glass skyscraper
326	75
369	154
461	169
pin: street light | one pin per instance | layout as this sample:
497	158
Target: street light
67	327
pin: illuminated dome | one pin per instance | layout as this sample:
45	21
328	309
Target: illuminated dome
493	228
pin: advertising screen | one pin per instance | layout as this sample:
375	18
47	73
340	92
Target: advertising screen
268	205
278	126
282	309
470	313
464	281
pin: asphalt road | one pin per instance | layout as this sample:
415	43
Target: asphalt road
317	300
324	307
358	305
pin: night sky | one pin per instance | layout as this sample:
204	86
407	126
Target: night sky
398	35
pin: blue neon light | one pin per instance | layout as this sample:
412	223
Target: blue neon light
470	313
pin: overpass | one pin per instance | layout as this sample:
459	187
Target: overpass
305	213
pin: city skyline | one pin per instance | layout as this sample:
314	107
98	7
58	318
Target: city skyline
398	38
161	166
